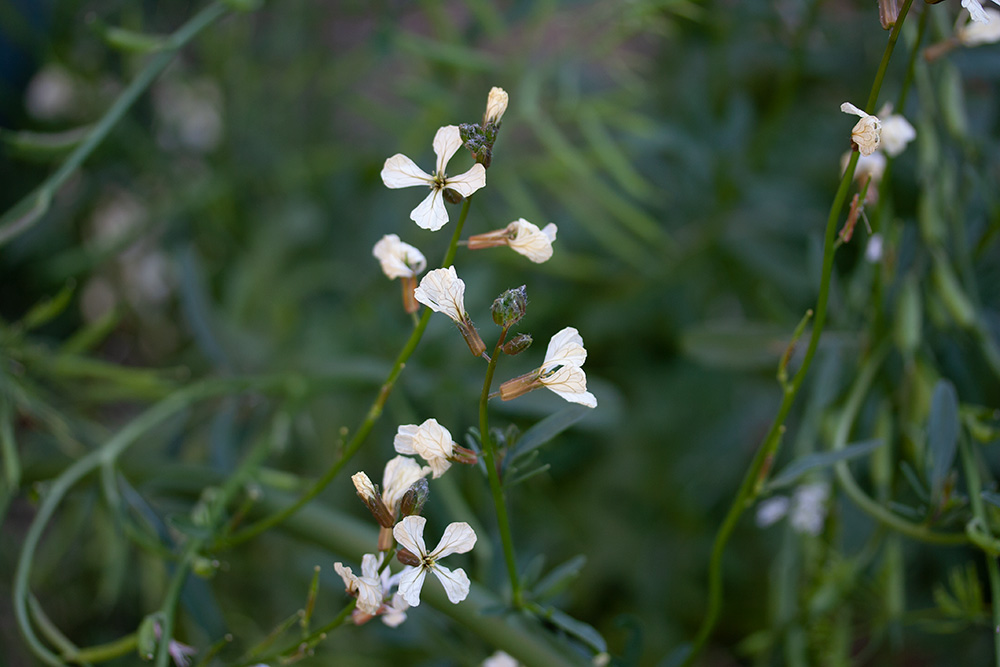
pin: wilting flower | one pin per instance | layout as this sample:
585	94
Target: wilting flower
430	441
522	237
398	259
400	474
496	104
866	133
976	10
975	32
896	131
400	171
561	371
443	291
368	587
458	538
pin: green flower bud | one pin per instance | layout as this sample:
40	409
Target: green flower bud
414	498
509	307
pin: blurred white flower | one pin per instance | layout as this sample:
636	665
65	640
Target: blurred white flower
500	659
400	171
496	105
400	474
443	291
147	275
367	587
771	511
874	249
896	131
398	259
189	113
808	510
976	33
51	93
430	441
866	133
976	10
522	237
561	371
458	538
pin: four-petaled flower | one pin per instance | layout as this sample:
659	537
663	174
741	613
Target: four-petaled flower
367	587
561	371
430	441
867	132
522	237
398	259
458	538
400	171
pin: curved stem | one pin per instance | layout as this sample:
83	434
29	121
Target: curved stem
374	412
496	488
772	439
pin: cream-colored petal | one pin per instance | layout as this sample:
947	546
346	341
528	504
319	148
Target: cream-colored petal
977	33
447	141
456	584
370	564
550	231
442	291
410	584
566	347
395	612
530	241
458	538
400	171
350	579
433	440
403	442
410	534
467	183
896	134
570	383
847	107
398	259
363	485
496	105
867	134
400	474
369	595
431	213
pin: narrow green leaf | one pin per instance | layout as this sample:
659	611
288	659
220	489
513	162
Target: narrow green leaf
132	41
43	146
585	633
942	433
547	429
47	310
794	470
559	578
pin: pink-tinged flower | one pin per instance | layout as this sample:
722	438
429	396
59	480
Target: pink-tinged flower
867	132
522	237
561	371
430	441
368	587
400	171
458	538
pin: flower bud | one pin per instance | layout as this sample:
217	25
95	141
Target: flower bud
373	501
509	307
414	498
407	558
452	196
517	344
496	105
464	455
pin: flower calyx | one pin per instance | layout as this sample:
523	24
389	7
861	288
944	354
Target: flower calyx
509	307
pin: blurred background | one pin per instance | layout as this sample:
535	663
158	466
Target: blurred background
688	152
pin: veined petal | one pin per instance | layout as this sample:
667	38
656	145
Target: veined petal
369	595
530	241
398	259
400	474
467	183
458	538
400	171
550	231
395	611
431	213
570	382
410	584
350	579
447	141
434	444
976	11
410	534
403	442
847	107
565	348
370	564
442	291
456	584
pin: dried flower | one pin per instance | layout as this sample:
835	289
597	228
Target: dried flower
400	171
458	538
866	133
430	441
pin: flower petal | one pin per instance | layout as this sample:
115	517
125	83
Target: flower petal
400	474
431	213
442	291
530	241
565	348
456	584
570	382
403	442
398	259
458	538
400	171
467	183
847	107
410	534
447	141
410	584
350	580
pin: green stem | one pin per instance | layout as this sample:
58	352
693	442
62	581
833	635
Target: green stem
374	412
496	488
23	215
769	447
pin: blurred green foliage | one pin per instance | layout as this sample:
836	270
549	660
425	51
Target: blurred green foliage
688	152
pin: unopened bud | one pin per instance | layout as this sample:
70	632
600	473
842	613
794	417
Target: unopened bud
407	558
414	498
452	196
496	105
471	336
509	307
464	455
517	344
147	635
373	501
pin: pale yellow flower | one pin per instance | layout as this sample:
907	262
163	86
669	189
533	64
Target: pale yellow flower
866	133
496	104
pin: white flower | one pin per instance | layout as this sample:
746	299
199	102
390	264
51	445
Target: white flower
975	32
522	237
896	131
458	538
771	511
808	510
874	249
866	132
400	171
400	474
430	441
496	104
561	371
52	93
367	587
976	10
443	291
398	259
395	611
500	659
363	485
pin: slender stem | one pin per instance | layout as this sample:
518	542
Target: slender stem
23	215
979	511
374	412
496	488
772	439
